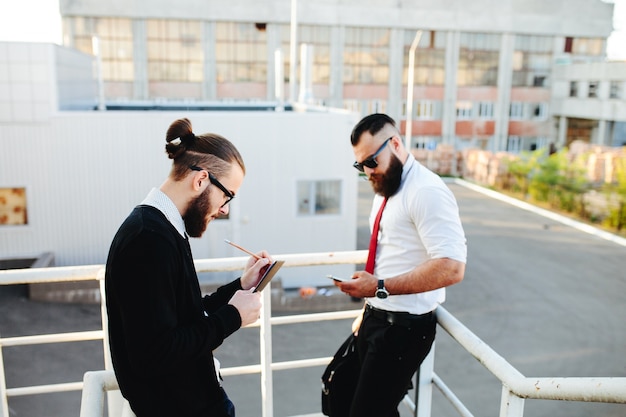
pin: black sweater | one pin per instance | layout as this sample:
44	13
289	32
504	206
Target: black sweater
161	339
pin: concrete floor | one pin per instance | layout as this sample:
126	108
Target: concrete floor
547	297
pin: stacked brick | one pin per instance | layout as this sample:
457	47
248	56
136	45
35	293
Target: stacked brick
602	161
487	168
444	159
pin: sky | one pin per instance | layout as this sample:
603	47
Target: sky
39	21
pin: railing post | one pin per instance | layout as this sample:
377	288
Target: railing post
115	401
511	405
424	388
4	403
265	334
92	400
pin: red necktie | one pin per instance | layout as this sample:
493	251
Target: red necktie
371	256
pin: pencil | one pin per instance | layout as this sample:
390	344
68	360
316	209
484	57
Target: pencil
242	249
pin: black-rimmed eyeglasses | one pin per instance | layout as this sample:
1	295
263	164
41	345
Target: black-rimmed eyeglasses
229	196
371	161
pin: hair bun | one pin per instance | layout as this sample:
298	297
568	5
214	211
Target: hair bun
188	139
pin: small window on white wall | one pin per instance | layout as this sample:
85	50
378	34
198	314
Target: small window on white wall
593	89
319	197
573	89
615	90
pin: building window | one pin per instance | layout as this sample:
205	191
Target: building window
365	107
426	142
516	111
540	80
539	111
514	144
517	144
430	59
593	89
532	60
319	197
464	110
615	90
13	206
116	43
541	142
366	56
478	59
175	50
319	38
425	109
485	110
569	41
588	46
521	110
240	52
573	89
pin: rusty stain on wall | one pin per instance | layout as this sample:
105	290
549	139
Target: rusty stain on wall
13	206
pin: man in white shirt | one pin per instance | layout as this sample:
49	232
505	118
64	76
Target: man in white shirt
420	249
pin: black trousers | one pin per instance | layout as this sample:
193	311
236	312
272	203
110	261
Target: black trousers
391	348
227	408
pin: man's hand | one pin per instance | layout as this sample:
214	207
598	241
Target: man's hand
254	270
248	304
362	284
428	276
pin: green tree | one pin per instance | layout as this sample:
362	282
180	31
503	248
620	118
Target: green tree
573	184
521	168
546	175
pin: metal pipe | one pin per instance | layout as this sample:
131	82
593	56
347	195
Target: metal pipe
408	131
293	46
451	397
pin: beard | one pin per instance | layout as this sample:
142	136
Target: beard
197	214
388	183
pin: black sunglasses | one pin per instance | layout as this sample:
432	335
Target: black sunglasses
214	181
371	161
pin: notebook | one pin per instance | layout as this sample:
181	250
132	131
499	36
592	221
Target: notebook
269	273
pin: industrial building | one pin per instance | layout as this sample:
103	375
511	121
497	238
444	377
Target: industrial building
482	77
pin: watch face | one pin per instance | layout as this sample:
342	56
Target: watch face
381	294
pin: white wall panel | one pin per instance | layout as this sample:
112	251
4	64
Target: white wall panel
85	171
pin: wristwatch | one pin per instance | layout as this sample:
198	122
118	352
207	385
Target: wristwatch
381	292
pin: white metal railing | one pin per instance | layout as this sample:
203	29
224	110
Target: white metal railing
96	272
515	386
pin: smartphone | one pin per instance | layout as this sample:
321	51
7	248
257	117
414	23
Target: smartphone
337	278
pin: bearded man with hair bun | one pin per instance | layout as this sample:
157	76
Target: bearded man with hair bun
162	331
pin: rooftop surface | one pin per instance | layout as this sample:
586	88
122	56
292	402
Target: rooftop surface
547	297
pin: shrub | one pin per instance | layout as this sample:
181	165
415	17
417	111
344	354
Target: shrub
616	196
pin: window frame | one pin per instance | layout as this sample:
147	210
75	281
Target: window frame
310	207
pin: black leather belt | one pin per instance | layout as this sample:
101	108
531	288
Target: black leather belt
398	318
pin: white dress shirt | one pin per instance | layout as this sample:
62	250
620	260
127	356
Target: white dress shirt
420	222
159	200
